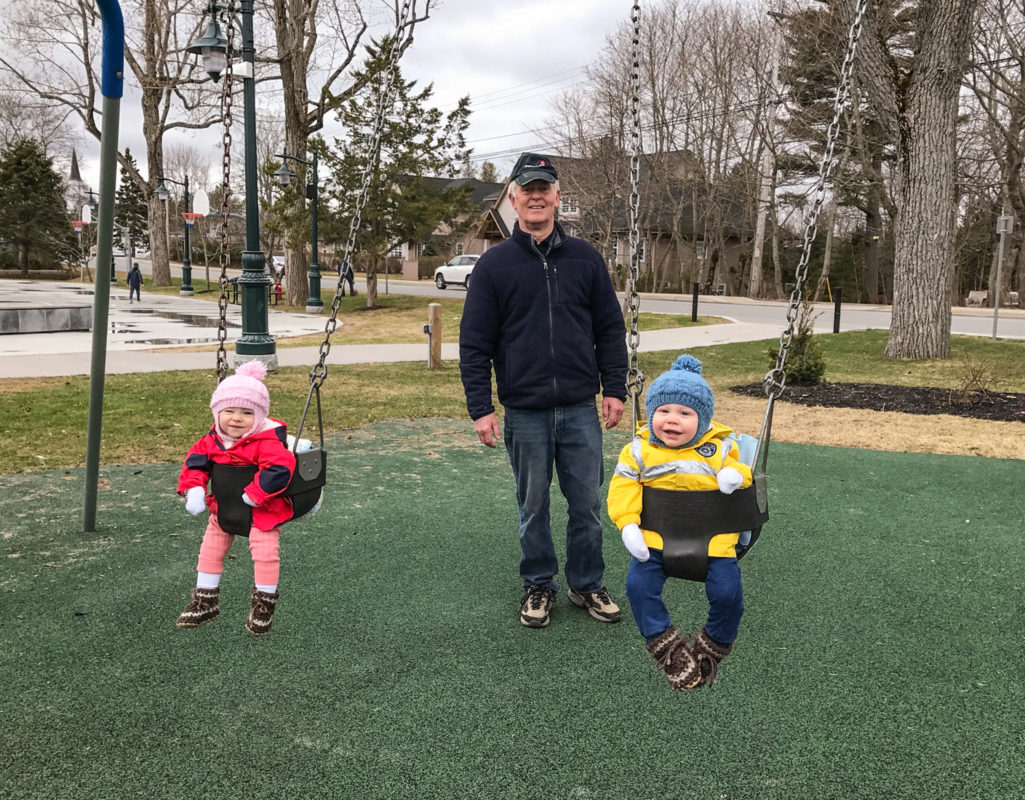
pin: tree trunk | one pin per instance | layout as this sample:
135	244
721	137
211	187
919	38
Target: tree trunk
777	263
372	283
292	23
926	180
156	210
870	254
827	254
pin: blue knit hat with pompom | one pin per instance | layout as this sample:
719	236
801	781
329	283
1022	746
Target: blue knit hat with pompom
682	384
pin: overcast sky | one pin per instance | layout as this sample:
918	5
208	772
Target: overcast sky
513	59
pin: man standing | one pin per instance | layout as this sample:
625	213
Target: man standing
542	313
135	282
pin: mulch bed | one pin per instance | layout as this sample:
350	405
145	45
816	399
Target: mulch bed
997	406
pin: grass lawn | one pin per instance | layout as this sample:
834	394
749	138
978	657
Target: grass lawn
154	417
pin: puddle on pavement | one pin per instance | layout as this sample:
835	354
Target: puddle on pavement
195	320
176	340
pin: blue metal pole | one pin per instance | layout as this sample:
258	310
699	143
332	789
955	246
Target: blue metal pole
111	87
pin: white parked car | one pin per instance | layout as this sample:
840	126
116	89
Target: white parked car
455	271
142	252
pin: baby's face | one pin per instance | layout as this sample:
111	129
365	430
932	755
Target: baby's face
236	422
674	424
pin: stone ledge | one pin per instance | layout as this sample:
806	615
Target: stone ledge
46	320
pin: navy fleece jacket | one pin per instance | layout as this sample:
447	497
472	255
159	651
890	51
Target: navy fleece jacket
547	320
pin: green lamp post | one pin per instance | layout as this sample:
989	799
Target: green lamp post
314	305
162	194
255	341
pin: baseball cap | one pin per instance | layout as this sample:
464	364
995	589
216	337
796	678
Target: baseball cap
534	167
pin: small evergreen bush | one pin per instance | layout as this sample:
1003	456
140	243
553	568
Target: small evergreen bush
805	363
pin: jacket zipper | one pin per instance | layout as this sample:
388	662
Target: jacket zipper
551	316
551	327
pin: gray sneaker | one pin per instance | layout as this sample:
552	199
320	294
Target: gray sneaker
537	606
598	604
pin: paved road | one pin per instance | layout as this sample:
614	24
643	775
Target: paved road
853	316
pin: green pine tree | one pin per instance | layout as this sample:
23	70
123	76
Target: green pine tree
33	217
130	208
406	200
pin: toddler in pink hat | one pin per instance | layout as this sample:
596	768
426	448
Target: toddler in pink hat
239	471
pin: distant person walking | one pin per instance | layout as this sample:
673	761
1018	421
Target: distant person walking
345	273
135	282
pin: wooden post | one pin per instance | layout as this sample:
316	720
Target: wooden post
434	318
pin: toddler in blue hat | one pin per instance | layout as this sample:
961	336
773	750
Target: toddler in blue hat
682	449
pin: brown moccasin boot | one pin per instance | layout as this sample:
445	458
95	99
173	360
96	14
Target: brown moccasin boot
204	606
708	655
673	656
261	612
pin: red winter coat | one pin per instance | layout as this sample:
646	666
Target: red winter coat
266	449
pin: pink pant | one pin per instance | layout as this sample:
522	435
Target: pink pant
263	547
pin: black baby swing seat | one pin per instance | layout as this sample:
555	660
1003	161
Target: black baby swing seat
227	482
687	521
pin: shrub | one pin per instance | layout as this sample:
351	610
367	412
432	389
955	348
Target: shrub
805	363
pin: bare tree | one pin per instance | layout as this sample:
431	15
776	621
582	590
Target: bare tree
994	166
52	51
911	61
316	78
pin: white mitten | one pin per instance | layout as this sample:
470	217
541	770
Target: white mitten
634	541
247	501
195	500
729	480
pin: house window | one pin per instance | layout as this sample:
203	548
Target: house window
699	251
459	248
396	251
642	250
568	205
615	246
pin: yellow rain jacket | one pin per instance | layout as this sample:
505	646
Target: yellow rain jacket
685	469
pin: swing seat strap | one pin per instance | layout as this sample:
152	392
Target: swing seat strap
227	482
687	521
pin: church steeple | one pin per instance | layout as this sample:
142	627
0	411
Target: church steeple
76	176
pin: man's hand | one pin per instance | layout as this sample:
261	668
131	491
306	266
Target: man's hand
611	411
487	429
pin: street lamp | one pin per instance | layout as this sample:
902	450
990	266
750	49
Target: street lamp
94	206
314	305
162	195
254	282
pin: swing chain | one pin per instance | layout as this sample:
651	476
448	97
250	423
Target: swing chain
386	96
775	380
222	300
634	376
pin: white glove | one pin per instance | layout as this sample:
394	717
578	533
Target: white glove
634	541
195	500
729	480
247	501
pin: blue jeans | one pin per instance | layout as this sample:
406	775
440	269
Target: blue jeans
569	437
644	582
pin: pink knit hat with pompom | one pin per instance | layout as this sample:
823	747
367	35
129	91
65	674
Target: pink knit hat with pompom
244	389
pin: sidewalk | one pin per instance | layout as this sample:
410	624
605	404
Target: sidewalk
142	336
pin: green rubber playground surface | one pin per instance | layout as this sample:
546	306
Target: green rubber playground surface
881	655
